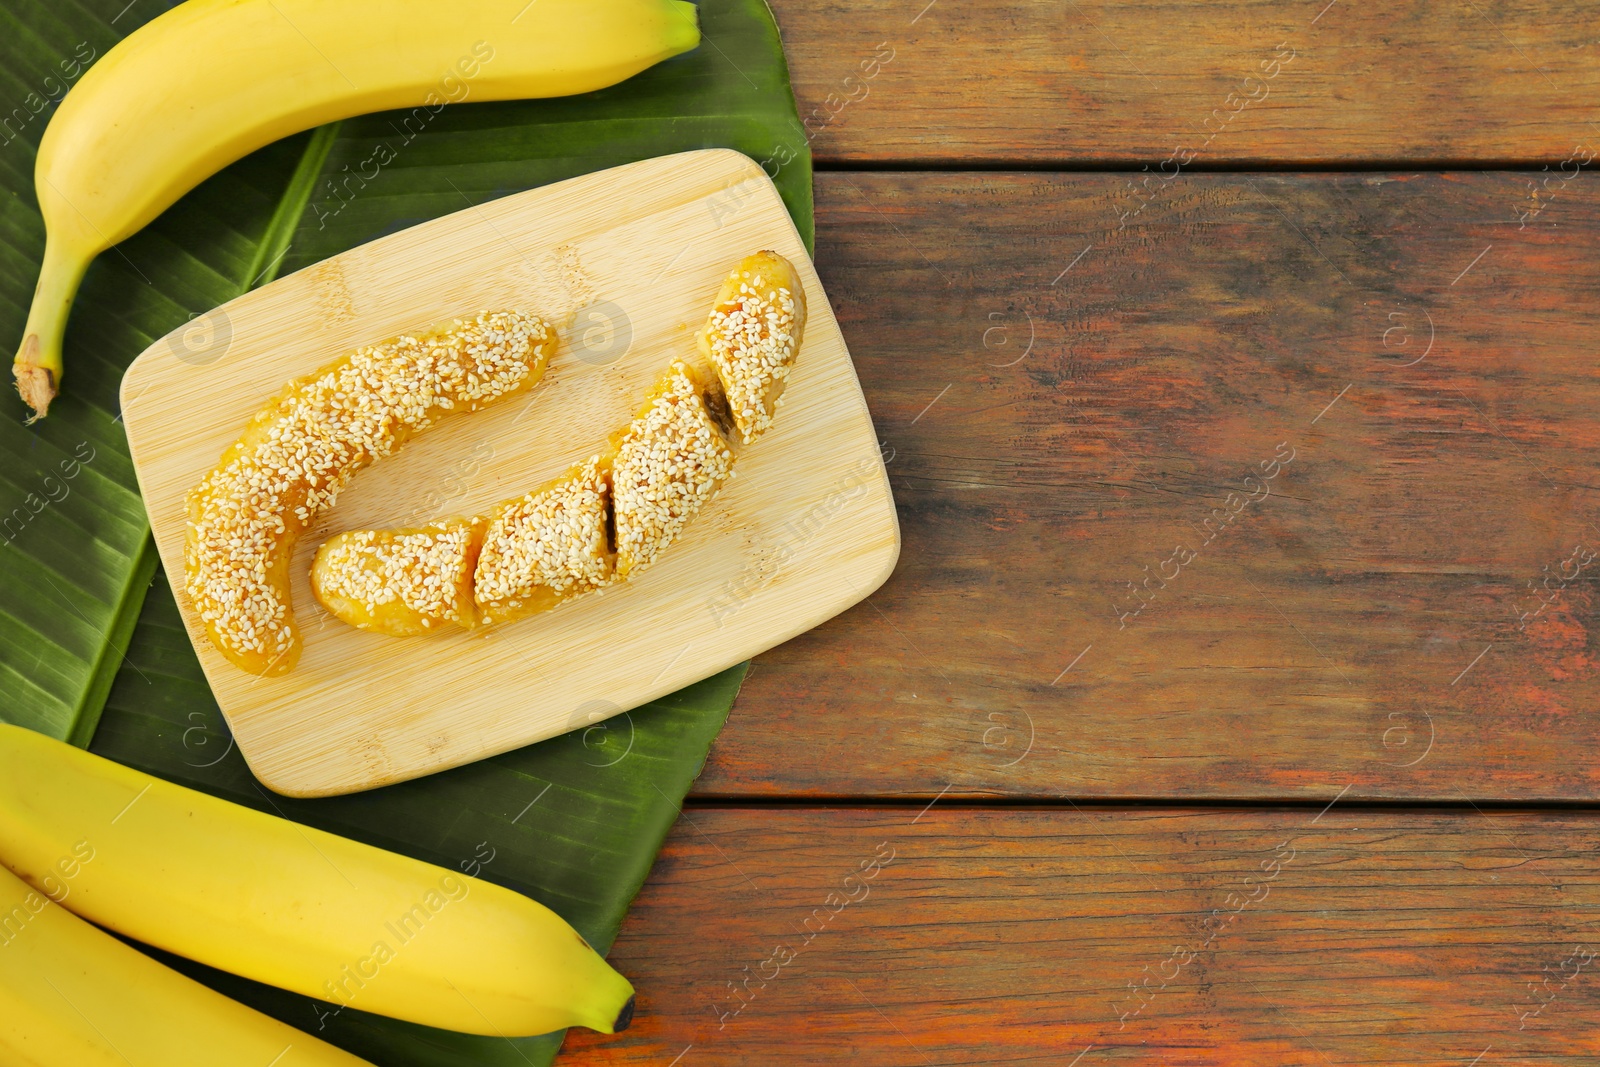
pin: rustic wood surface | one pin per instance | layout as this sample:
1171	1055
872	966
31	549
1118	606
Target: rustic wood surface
1015	936
1095	81
1070	371
1400	612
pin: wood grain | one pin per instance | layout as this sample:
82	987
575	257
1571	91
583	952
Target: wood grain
626	262
1012	936
1091	81
1359	628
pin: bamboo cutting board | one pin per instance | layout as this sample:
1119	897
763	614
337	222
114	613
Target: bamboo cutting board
626	262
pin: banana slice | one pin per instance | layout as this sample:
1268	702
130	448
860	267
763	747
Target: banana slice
548	546
669	463
753	335
401	582
306	445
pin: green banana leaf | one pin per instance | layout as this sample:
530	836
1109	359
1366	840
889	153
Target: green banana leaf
89	632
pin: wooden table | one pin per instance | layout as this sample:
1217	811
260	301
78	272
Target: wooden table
1234	699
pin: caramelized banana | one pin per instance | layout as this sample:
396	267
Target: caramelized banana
401	582
307	444
548	546
753	335
605	520
669	463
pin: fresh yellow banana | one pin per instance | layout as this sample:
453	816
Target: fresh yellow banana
74	996
212	80
292	906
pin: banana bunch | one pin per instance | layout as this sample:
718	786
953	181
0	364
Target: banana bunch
258	896
210	81
73	996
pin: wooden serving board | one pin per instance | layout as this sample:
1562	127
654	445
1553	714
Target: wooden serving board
626	262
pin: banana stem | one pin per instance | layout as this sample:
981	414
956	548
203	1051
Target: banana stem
37	366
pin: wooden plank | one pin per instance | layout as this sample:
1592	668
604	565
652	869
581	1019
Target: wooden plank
1012	936
1371	621
626	287
1095	81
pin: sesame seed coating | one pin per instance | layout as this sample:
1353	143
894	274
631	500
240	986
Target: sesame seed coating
752	336
402	581
307	444
668	464
608	518
546	546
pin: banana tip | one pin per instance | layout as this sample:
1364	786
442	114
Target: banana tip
624	1017
689	25
36	384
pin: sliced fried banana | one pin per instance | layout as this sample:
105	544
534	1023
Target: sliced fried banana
669	463
602	520
610	518
307	444
401	582
752	337
547	546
